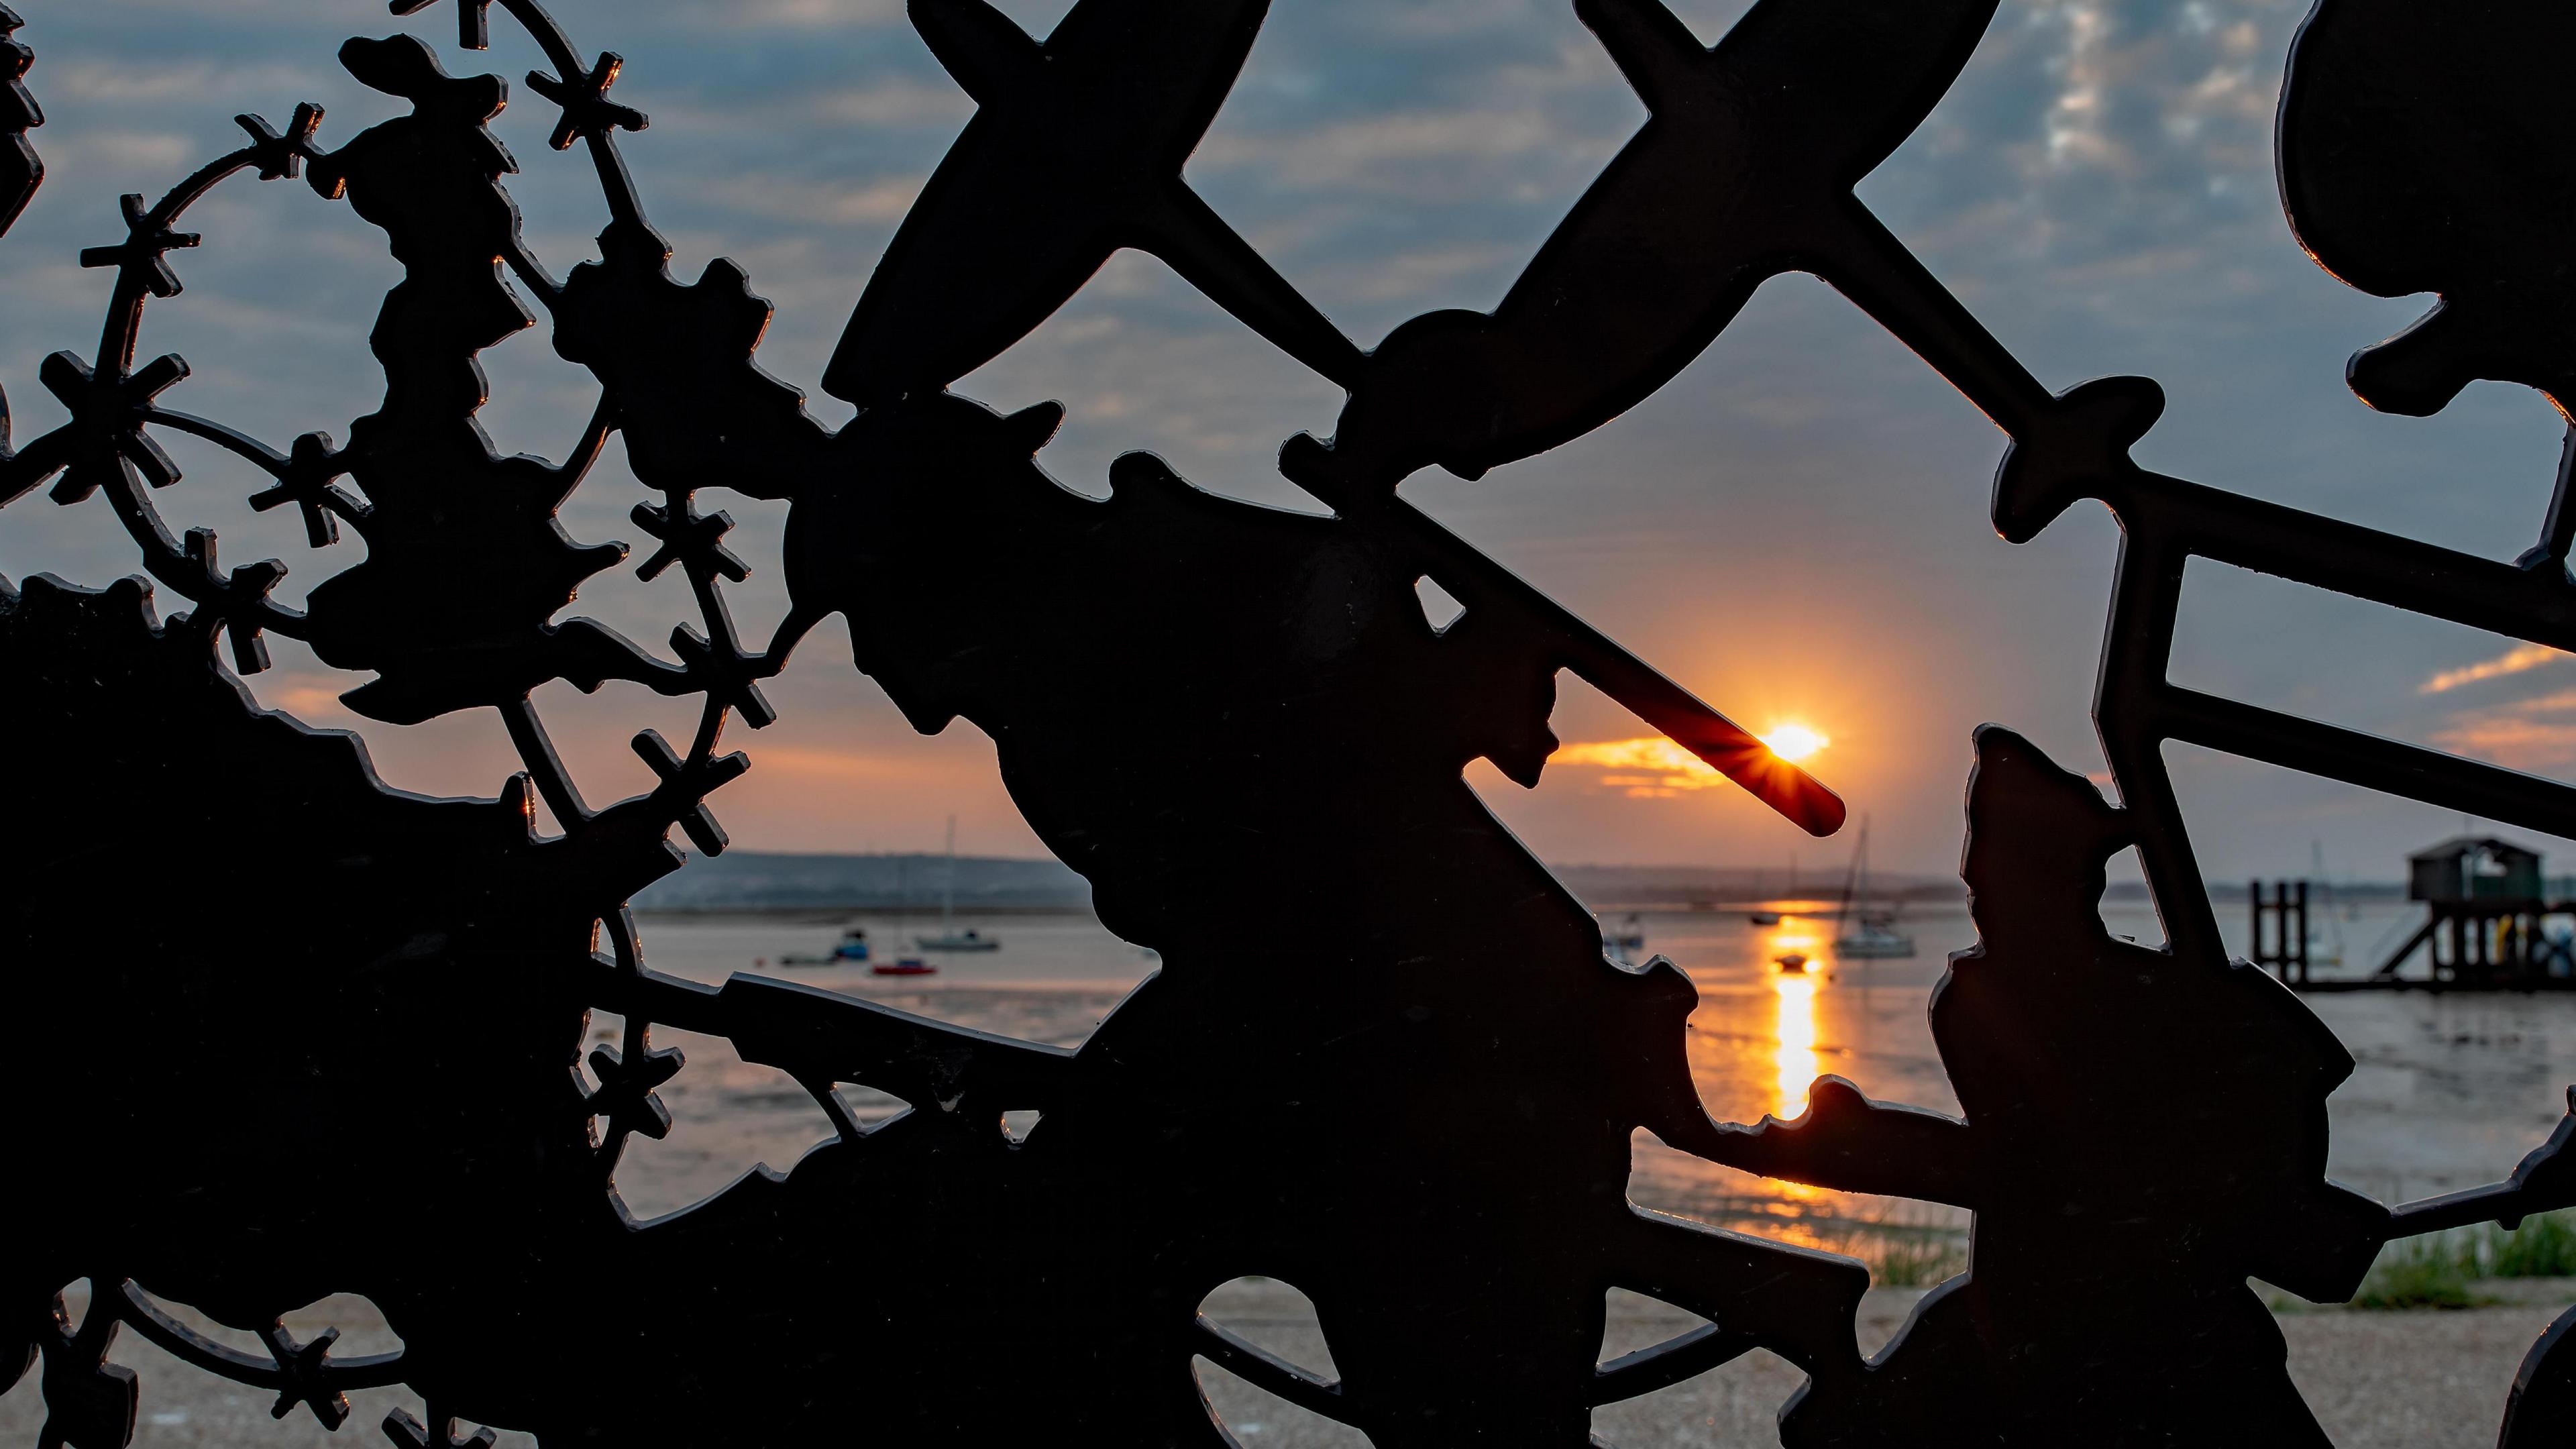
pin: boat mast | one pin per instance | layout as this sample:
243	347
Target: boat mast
1856	879
948	895
1863	904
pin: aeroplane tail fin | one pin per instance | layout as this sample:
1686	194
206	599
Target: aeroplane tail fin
1652	47
1213	257
980	46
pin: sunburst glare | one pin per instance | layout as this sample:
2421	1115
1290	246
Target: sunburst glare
1793	741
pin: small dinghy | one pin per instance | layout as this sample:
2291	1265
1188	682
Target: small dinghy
853	947
906	966
1791	964
969	939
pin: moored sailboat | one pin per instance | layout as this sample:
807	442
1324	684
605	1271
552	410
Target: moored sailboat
949	937
1867	933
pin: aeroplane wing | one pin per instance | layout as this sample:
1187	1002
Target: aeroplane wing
1075	151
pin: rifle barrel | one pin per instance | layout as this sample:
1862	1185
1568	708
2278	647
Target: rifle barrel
1644	690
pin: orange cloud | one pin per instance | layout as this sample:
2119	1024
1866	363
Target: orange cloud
2530	734
2513	661
1651	768
776	760
305	701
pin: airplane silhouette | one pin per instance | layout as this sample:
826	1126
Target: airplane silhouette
1744	170
1021	212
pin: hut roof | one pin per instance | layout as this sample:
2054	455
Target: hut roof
2460	845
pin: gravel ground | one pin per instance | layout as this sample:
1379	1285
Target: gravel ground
2419	1380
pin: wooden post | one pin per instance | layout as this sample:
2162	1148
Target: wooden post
2303	933
2281	923
2254	942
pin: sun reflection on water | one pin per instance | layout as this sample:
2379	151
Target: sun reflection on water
1794	1058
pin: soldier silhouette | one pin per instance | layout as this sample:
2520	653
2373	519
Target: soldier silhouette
2142	1133
1237	723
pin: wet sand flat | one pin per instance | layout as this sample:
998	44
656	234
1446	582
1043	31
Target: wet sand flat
2415	1380
2449	1092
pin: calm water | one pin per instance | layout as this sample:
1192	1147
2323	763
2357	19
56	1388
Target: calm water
2450	1091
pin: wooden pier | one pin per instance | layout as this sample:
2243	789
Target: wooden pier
2484	927
2285	948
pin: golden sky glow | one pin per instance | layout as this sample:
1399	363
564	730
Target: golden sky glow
1654	768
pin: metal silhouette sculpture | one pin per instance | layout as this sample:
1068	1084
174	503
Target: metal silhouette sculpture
1239	726
21	169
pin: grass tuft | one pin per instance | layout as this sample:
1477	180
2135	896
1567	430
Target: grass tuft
2418	1275
1914	1260
1905	1250
2437	1271
2543	1247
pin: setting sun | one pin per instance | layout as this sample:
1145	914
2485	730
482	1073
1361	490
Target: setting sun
1794	741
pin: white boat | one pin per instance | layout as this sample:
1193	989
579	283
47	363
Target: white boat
1869	941
1867	934
1614	945
949	937
1631	935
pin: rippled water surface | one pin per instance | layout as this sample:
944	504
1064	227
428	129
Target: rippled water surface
2450	1090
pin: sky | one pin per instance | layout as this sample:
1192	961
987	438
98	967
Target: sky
1795	527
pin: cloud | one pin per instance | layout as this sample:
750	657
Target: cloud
2517	660
1649	768
1403	151
2098	190
1411	274
129	80
2530	734
810	14
898	101
697	18
310	699
118	153
832	765
875	202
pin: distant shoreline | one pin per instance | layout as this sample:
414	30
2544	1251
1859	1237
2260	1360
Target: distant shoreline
751	883
824	910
